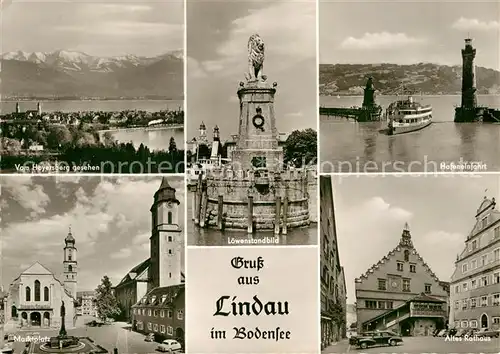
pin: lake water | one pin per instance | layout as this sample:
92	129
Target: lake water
348	146
94	105
155	139
210	237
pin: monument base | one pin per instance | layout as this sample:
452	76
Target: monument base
83	345
477	114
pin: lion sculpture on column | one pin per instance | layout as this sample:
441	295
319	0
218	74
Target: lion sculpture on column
255	57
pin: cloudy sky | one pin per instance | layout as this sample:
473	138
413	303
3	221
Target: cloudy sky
371	211
404	32
101	28
109	217
217	36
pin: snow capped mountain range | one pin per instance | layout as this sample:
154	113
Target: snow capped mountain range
64	73
77	61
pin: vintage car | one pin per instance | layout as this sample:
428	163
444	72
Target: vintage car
377	338
170	346
150	337
487	332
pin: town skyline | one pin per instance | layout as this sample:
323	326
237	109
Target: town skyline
146	29
354	38
109	219
217	60
386	204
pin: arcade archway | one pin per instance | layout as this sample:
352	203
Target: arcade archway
36	319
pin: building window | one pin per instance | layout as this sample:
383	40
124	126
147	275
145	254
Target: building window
496	232
149	326
45	294
495	320
406	284
496	299
162	313
473	303
474	264
484	301
169	238
484	260
496	278
407	255
169	314
37	290
457	305
464	324
474	245
484	222
381	305
149	312
464	286
390	304
464	304
484	281
496	254
170	330
155	313
140	325
155	327
464	268
473	283
413	268
170	251
162	329
169	218
400	266
382	284
473	324
457	324
369	304
28	293
457	289
428	288
180	314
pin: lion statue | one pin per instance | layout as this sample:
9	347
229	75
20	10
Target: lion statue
255	57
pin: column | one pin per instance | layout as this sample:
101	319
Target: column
277	216
250	215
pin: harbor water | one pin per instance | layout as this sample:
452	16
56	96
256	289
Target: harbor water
444	146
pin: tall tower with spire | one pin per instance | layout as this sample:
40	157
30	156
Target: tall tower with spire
70	264
216	133
469	99
166	238
369	94
18	108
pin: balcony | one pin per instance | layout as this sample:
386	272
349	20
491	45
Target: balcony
35	307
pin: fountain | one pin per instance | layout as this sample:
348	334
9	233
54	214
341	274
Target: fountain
63	343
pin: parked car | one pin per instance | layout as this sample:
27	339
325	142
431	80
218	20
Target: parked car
370	339
150	337
461	332
441	333
169	345
491	333
8	338
451	332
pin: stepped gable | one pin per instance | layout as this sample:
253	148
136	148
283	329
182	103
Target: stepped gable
487	207
405	243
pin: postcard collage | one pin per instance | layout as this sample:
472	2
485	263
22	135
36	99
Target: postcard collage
249	177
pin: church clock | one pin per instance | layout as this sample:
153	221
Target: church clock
258	119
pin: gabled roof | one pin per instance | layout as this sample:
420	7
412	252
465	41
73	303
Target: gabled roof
136	273
406	243
37	269
161	296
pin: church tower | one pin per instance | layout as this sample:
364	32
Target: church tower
70	264
469	99
216	133
166	238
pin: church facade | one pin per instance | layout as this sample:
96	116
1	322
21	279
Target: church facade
475	283
401	293
36	296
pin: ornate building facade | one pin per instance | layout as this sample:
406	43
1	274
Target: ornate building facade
401	293
333	286
86	303
475	284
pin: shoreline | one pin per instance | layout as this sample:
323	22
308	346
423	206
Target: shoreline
169	127
424	95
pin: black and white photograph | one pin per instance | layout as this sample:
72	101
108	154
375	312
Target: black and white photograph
252	126
403	271
409	86
92	87
92	265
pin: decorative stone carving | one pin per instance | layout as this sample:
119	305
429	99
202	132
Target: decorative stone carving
255	57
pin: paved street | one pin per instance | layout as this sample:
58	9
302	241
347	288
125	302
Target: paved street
420	345
108	336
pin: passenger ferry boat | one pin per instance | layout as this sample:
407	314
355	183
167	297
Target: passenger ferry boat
406	116
200	167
